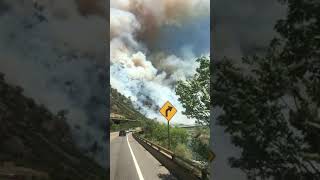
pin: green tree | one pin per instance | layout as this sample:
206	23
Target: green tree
159	134
149	127
183	151
194	93
178	136
199	144
114	127
271	107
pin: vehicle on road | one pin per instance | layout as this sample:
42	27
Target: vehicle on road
122	133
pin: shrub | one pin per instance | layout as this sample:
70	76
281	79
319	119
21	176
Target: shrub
183	151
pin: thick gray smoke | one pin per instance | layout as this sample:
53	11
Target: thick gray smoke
146	75
55	51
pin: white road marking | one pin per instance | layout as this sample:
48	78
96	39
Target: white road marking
135	162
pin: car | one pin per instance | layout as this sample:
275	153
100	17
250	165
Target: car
122	133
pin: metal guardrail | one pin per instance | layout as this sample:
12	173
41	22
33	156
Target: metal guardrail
189	166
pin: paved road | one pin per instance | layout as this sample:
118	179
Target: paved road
130	161
113	135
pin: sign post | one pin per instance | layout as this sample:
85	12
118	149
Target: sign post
168	111
168	136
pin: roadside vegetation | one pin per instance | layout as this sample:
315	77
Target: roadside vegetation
183	143
158	133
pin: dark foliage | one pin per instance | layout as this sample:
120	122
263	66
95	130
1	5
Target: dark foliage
31	136
271	107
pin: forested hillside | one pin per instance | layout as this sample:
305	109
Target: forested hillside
123	106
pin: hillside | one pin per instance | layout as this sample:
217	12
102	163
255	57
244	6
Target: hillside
123	106
32	137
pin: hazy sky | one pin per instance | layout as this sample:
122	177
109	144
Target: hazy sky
195	34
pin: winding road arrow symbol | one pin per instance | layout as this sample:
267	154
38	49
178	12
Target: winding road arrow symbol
168	109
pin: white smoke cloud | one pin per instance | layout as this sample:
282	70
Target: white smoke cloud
122	22
149	78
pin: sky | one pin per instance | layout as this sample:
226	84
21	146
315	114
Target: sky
154	44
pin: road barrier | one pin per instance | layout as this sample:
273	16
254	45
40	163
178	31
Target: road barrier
182	168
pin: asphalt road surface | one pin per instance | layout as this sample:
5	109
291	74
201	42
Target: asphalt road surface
130	161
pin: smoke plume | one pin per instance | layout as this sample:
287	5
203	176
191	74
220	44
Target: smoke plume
149	75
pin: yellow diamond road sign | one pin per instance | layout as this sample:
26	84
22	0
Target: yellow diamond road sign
168	110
